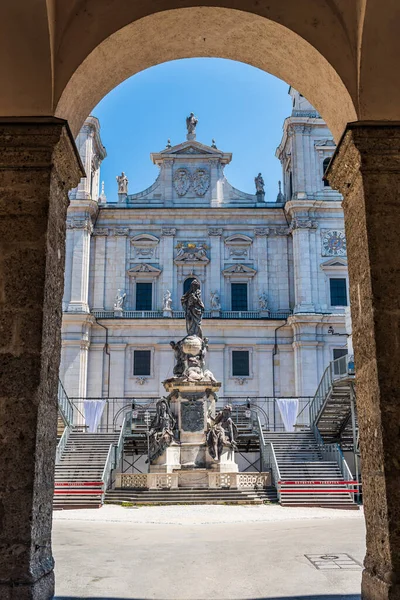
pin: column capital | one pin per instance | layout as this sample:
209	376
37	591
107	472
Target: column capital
215	231
168	231
365	146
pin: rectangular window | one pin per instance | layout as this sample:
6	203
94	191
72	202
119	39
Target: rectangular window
239	296
240	363
338	292
339	368
144	296
141	362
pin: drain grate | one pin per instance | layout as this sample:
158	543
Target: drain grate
333	561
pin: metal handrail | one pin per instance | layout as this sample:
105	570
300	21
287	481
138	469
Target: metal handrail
337	370
267	453
113	457
62	443
65	406
333	452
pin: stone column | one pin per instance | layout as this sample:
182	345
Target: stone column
38	165
168	234
79	295
215	235
261	255
366	170
100	236
302	263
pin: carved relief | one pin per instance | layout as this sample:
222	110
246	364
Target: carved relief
181	181
201	181
168	231
191	252
192	416
303	223
215	231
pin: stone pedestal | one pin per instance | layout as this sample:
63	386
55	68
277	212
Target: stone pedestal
366	169
38	165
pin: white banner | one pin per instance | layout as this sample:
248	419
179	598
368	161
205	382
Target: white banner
93	411
288	407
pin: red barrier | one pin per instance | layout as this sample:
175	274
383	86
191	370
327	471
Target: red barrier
80	492
317	491
319	483
77	483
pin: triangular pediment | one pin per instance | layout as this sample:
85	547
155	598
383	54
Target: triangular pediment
334	262
239	269
190	149
144	269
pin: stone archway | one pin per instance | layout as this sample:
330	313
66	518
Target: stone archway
62	62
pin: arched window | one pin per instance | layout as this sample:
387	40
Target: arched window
325	165
186	284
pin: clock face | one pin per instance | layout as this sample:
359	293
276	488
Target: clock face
334	244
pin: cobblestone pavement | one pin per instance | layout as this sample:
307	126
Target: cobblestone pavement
208	552
196	515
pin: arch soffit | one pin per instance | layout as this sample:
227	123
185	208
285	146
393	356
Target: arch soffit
206	32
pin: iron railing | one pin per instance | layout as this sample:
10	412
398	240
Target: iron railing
113	458
339	369
65	407
265	406
268	460
62	443
179	314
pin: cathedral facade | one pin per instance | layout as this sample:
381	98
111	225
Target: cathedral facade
272	269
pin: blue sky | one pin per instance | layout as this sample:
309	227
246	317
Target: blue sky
239	106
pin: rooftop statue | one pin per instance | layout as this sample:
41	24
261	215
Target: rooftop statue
194	308
191	122
122	181
259	181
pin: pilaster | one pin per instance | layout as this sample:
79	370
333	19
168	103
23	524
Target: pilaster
366	170
38	164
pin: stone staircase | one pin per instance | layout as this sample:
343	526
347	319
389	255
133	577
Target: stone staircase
78	476
191	496
334	418
306	479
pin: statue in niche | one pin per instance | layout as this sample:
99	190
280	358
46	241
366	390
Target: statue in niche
122	181
221	431
263	301
167	300
214	301
191	122
161	433
194	309
259	181
119	300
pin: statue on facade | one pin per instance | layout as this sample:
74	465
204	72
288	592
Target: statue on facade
191	122
119	300
214	301
194	309
161	433
122	181
263	301
259	181
221	431
167	300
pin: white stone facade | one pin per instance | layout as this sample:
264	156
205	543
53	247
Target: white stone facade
192	223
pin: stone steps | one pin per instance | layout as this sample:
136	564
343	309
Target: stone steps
191	496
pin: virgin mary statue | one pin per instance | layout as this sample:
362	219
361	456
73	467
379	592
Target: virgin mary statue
194	308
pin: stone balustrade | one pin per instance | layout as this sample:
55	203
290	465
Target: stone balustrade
240	481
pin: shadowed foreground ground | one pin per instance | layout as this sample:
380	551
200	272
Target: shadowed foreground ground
120	555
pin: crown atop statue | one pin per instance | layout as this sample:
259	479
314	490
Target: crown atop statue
191	122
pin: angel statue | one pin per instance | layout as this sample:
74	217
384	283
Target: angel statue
222	431
119	300
191	122
194	308
259	181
